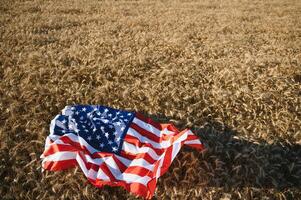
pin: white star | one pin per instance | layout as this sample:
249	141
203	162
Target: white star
84	109
110	115
101	145
118	123
76	130
63	131
118	139
118	113
94	129
126	120
76	112
81	118
105	121
70	126
114	149
86	130
102	128
121	116
72	108
98	137
106	110
107	135
89	138
110	142
129	114
83	126
122	128
64	121
95	109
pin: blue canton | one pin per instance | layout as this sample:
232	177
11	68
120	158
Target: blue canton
101	127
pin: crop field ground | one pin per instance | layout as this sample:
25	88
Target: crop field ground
230	70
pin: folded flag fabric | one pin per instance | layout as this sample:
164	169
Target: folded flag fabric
114	147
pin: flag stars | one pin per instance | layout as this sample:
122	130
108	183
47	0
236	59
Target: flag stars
114	149
98	137
110	142
105	121
64	121
89	138
107	135
77	113
101	145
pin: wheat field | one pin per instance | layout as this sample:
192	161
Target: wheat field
229	70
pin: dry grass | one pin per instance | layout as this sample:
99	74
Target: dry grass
230	70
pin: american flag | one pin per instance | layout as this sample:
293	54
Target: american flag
114	147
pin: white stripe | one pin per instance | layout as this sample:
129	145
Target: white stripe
59	156
131	178
163	145
196	141
147	127
140	162
90	173
128	177
158	174
138	150
81	141
175	150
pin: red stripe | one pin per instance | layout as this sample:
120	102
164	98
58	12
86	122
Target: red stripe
122	167
141	171
135	141
107	171
131	156
148	134
167	160
79	147
149	121
59	147
59	165
192	137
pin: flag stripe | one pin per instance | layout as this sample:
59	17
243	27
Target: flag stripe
145	140
148	121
